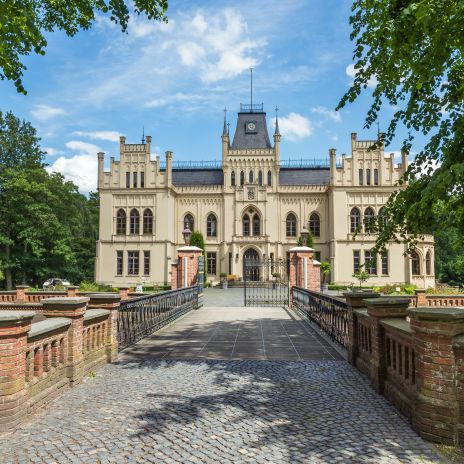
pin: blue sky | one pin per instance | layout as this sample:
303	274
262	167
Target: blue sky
175	80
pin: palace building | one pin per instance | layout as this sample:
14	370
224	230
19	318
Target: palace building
251	204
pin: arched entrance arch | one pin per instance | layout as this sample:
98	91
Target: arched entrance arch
251	265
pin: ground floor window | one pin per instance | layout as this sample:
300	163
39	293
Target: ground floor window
370	262
211	262
356	260
133	262
385	263
317	256
119	262
146	263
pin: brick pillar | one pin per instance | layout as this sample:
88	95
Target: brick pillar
73	308
14	326
421	298
187	266
355	301
436	412
174	275
111	302
72	291
124	293
304	272
21	296
377	309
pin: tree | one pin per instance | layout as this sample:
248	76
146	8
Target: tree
196	239
23	24
362	275
309	241
325	270
412	51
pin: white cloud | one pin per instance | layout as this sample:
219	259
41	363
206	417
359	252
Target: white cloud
80	168
46	112
176	98
330	114
295	127
351	72
52	151
110	136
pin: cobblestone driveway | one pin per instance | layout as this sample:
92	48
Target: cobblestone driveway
218	411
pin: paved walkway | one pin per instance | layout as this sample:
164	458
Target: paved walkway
157	405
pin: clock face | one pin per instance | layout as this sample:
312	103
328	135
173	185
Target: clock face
251	126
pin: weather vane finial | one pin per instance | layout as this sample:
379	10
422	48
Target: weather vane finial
143	134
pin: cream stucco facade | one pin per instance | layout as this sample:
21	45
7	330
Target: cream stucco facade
248	201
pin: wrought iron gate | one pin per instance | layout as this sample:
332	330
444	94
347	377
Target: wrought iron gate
266	282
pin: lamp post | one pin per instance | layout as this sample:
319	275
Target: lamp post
304	235
187	233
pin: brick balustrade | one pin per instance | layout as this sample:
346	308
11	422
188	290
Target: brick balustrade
39	360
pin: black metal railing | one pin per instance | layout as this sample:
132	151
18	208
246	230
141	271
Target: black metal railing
329	313
257	108
141	316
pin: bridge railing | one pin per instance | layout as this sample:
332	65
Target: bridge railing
329	313
140	317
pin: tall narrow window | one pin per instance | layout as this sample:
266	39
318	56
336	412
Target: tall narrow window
133	262
385	263
368	177
134	222
361	177
142	180
147	221
415	264
127	179
246	224
291	225
382	217
269	178
370	262
317	255
376	177
230	263
356	260
315	225
232	178
211	225
188	222
211	262
242	177
368	220
146	263
119	262
260	178
121	222
135	180
355	220
428	263
256	225
251	177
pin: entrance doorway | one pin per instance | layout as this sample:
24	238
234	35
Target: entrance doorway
251	265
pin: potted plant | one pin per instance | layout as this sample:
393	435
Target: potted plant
325	271
276	276
223	277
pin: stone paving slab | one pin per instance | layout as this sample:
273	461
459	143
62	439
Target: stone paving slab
206	411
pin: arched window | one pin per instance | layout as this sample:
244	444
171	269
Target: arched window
368	220
121	222
242	177
232	178
251	177
134	226
315	225
291	225
256	224
428	263
382	217
415	264
147	221
355	220
269	178
260	178
211	225
189	223
246	224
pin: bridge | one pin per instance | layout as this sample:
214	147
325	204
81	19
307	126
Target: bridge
157	378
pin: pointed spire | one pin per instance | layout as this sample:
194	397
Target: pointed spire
228	128
276	132
224	130
143	135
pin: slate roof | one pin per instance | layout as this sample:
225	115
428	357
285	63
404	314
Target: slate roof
197	177
260	139
287	176
311	176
